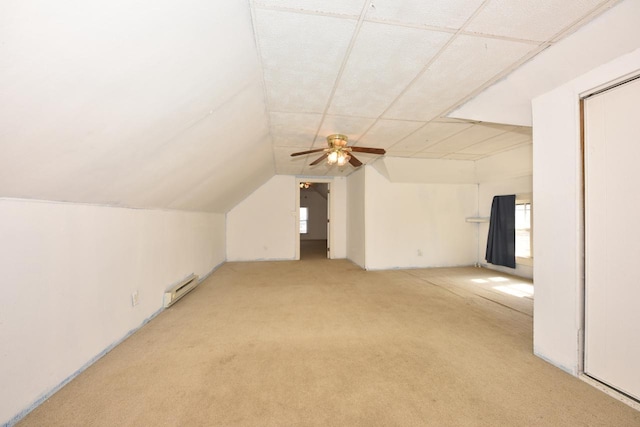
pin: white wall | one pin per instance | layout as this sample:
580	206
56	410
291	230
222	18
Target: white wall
510	172
356	217
317	223
265	225
558	250
67	274
418	225
427	171
338	208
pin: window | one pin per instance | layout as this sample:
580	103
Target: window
304	219
524	242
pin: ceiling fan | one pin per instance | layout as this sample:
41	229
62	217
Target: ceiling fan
339	153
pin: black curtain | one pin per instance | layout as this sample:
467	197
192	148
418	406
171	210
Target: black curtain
501	242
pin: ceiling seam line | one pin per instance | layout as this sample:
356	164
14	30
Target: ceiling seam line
452	31
264	86
306	12
530	55
485	139
598	10
352	42
498	151
495	151
421	73
445	138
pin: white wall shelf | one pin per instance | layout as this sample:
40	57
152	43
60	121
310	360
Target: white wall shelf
478	219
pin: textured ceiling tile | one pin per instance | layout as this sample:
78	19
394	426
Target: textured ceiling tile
293	129
385	133
430	134
321	169
394	153
468	137
282	157
339	7
497	143
384	59
301	56
457	156
466	64
353	127
530	19
441	13
287	170
427	155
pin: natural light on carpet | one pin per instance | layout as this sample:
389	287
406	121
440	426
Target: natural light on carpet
517	290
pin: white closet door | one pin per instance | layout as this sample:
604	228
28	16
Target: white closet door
612	237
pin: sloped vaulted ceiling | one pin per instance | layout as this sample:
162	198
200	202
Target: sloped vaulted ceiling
193	104
131	103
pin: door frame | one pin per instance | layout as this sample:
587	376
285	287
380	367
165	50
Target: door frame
327	181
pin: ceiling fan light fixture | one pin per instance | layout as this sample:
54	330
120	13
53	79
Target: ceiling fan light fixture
343	158
332	158
338	152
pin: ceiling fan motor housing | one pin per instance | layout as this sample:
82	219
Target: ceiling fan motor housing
337	140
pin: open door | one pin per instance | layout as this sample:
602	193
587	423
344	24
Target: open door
314	223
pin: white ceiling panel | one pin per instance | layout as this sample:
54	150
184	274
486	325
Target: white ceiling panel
288	170
208	194
386	133
465	65
155	104
497	143
530	19
396	153
301	55
294	129
353	127
282	155
430	134
321	169
468	137
612	34
442	13
458	156
338	7
207	150
384	59
427	155
103	101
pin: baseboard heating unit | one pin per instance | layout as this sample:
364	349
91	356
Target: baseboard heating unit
180	289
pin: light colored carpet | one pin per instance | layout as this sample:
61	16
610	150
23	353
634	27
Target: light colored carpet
324	343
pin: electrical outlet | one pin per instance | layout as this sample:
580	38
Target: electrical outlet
135	299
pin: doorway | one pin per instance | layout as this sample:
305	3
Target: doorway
314	220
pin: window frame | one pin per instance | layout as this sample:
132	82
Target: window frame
523	199
305	221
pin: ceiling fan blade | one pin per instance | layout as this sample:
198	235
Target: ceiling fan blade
368	150
317	150
319	159
355	162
